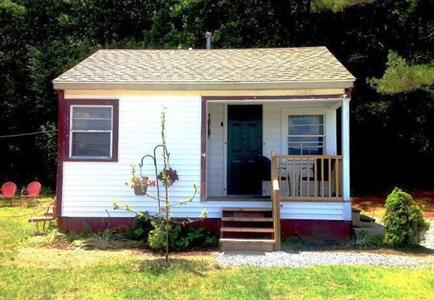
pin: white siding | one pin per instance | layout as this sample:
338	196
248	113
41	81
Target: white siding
215	151
89	188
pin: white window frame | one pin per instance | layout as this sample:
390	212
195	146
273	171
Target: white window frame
286	113
71	131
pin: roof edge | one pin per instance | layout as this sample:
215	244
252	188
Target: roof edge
187	86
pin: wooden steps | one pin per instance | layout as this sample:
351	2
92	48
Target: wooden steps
246	244
247	229
224	209
246	219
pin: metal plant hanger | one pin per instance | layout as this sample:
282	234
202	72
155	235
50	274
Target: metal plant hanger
154	160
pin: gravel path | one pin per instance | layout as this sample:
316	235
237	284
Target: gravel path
315	258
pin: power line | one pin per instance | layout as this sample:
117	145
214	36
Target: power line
25	134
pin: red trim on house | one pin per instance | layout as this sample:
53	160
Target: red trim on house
318	230
203	138
115	143
289	97
79	224
61	142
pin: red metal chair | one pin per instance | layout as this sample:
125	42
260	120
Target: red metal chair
33	190
8	190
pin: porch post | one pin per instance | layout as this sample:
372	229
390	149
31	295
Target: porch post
203	145
346	157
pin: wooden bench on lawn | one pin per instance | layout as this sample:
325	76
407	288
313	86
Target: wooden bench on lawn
48	217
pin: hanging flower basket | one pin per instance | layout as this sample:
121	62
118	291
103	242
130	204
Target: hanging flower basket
140	190
168	176
140	183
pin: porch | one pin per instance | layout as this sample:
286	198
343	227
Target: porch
261	155
308	137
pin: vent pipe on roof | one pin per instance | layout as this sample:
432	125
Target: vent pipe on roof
208	36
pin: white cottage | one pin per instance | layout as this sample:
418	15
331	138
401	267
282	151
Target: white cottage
264	132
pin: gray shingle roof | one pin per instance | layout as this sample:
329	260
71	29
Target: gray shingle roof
216	66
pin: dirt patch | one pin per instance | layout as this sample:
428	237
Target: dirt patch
375	204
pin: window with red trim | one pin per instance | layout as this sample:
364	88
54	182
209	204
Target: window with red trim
93	130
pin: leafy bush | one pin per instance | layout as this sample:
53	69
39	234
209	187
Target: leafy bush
157	236
405	225
142	227
180	237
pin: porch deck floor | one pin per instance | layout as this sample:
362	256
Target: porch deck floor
240	198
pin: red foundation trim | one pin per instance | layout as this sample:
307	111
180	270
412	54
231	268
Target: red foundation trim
79	224
61	144
317	229
306	229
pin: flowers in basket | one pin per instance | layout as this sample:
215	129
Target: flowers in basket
139	183
168	176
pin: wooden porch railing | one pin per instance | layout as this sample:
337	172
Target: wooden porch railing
275	199
308	177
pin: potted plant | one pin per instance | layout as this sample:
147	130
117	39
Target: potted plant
168	176
139	184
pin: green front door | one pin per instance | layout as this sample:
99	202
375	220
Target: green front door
244	149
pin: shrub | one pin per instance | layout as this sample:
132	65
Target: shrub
403	219
157	236
180	237
142	227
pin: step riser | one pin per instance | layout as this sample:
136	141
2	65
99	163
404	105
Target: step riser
247	224
246	235
247	219
245	209
243	246
247	214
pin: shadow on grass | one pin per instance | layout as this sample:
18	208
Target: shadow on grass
159	266
296	245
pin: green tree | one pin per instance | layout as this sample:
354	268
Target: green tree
399	77
336	5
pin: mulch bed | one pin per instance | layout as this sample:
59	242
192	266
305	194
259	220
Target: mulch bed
370	203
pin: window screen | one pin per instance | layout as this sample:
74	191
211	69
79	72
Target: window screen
91	131
305	134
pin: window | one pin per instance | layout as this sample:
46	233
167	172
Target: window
305	134
93	130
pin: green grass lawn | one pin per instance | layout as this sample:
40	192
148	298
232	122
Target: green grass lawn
31	272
